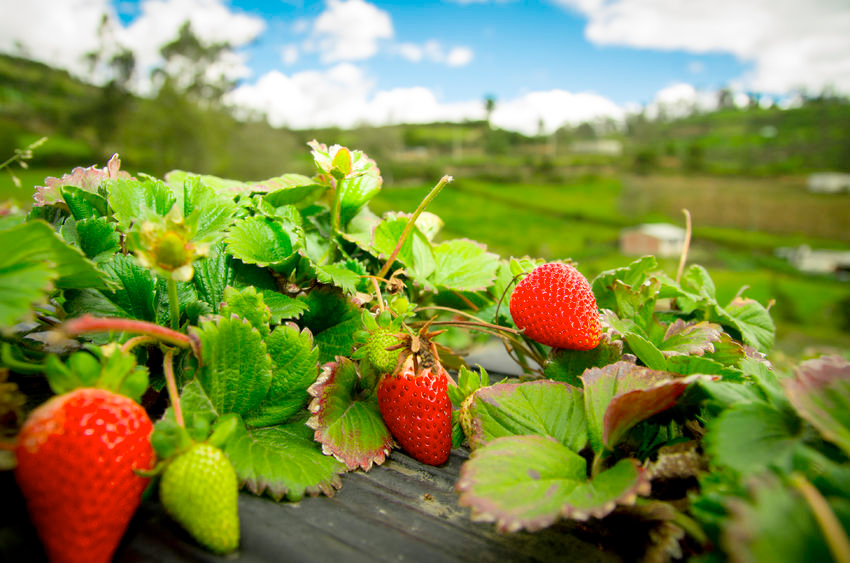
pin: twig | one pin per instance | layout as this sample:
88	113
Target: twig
411	221
171	384
833	531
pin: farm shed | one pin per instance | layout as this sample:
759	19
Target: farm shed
660	239
806	259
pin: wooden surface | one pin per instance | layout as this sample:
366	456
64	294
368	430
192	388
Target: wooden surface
400	511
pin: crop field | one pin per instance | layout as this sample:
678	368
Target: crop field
582	221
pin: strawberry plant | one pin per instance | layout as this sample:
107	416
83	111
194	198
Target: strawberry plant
281	334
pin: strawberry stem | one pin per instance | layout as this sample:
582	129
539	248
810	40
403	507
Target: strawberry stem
171	384
411	221
137	341
88	323
174	303
831	528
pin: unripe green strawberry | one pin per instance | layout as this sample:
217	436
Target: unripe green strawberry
383	360
555	306
200	491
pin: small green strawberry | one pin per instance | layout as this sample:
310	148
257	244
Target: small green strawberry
199	490
380	341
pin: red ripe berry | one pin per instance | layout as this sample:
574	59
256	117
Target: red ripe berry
76	455
418	412
556	307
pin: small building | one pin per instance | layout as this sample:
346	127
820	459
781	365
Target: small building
828	182
606	147
807	259
659	239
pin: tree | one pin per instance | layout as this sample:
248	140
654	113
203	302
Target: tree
194	68
489	106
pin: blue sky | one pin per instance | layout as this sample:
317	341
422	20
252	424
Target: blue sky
343	62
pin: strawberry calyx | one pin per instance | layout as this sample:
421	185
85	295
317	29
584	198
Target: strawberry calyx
108	367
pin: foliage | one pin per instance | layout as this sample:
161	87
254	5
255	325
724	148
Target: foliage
251	299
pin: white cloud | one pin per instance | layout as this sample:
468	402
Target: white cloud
433	51
61	33
679	100
350	30
345	96
289	54
555	108
790	43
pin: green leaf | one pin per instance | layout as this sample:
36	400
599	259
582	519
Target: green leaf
333	320
235	369
36	242
646	351
620	395
247	304
294	367
88	179
543	408
348	426
283	306
133	200
98	238
283	462
820	393
752	320
567	365
260	240
84	204
206	212
464	265
289	189
338	275
690	338
415	254
629	276
136	288
777	525
23	284
752	436
360	185
529	482
687	365
213	274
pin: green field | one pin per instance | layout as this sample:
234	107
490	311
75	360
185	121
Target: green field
582	221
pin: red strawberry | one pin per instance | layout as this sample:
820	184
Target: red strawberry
418	412
76	455
556	307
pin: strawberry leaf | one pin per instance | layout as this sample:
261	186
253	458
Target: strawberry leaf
758	528
464	265
283	306
282	462
751	436
333	320
690	338
645	350
752	320
348	426
294	366
543	408
628	277
235	369
88	179
213	274
98	238
249	305
133	200
135	288
289	189
820	393
620	395
568	365
338	275
84	204
261	240
205	212
529	482
415	254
